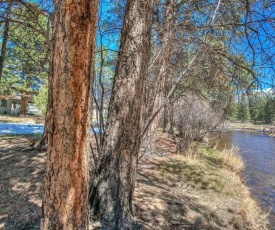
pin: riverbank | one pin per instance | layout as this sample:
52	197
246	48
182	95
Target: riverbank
257	149
250	126
198	190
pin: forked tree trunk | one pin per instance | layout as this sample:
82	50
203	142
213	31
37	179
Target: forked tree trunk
24	104
112	188
65	203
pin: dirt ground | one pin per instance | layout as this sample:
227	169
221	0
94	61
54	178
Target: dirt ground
21	182
176	192
171	192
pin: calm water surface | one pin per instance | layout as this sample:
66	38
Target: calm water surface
258	151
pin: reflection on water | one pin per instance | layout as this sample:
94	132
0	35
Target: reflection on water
258	151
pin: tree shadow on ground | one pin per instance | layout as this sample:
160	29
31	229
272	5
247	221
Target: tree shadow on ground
164	198
163	203
21	182
167	197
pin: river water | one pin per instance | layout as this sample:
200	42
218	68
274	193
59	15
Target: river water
258	151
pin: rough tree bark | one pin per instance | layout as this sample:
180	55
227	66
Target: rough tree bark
112	187
5	38
164	62
24	104
65	203
168	113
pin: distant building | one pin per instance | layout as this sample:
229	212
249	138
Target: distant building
11	105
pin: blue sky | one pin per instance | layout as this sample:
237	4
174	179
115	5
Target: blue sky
109	24
258	44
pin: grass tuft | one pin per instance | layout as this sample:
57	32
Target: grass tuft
232	159
255	217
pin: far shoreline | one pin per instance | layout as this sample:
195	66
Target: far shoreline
269	129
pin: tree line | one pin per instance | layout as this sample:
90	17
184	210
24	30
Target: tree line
168	64
256	107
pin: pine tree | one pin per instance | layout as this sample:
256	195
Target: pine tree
65	203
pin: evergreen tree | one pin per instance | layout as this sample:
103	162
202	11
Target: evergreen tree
40	100
65	203
233	112
26	60
270	109
243	110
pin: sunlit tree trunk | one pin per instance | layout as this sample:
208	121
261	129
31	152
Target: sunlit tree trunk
65	203
112	188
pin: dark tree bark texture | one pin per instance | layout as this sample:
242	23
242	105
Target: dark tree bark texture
5	39
112	187
65	203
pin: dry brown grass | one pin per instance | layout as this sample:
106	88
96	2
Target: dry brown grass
229	175
201	189
232	159
253	215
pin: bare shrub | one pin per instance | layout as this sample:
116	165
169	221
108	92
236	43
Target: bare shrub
194	118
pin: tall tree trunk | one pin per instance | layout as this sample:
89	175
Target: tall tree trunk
150	137
65	203
24	104
43	143
168	118
112	187
5	39
164	62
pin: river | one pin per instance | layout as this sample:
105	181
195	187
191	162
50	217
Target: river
258	151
